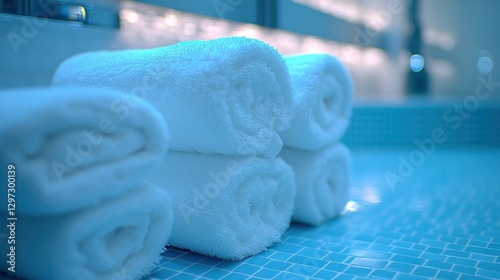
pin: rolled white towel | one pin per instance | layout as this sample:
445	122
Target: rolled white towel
227	207
322	95
227	96
121	238
323	179
74	147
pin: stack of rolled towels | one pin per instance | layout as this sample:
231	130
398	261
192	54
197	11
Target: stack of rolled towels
322	99
226	101
253	143
79	206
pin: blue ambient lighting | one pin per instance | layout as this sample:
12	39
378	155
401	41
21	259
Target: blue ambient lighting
417	63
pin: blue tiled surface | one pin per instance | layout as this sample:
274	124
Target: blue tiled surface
442	221
388	125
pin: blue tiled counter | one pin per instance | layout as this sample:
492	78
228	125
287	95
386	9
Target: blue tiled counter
439	219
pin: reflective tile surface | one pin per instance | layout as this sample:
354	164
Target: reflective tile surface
412	215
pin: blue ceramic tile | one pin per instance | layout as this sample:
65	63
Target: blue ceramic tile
404	276
361	245
419	247
164	273
210	261
438	264
384	274
461	261
314	253
485	251
288	275
344	277
425	271
470	277
406	259
456	253
247	269
304	270
359	271
406	252
434	250
311	244
228	265
480	244
280	256
402	244
335	257
355	252
183	276
235	276
448	239
287	248
434	243
325	274
177	264
216	273
494	274
494	246
371	263
481	238
292	240
298	259
278	265
432	256
411	239
447	275
198	269
464	269
336	267
401	267
379	255
458	247
481	257
258	261
333	248
492	266
267	273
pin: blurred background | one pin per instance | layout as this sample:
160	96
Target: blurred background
398	51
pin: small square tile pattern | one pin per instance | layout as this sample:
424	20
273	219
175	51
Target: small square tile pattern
440	219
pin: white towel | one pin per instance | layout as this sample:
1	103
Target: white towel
323	179
121	238
73	147
227	207
228	96
322	95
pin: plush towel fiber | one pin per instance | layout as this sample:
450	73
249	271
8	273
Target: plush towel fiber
227	207
322	179
228	96
73	147
121	238
322	94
